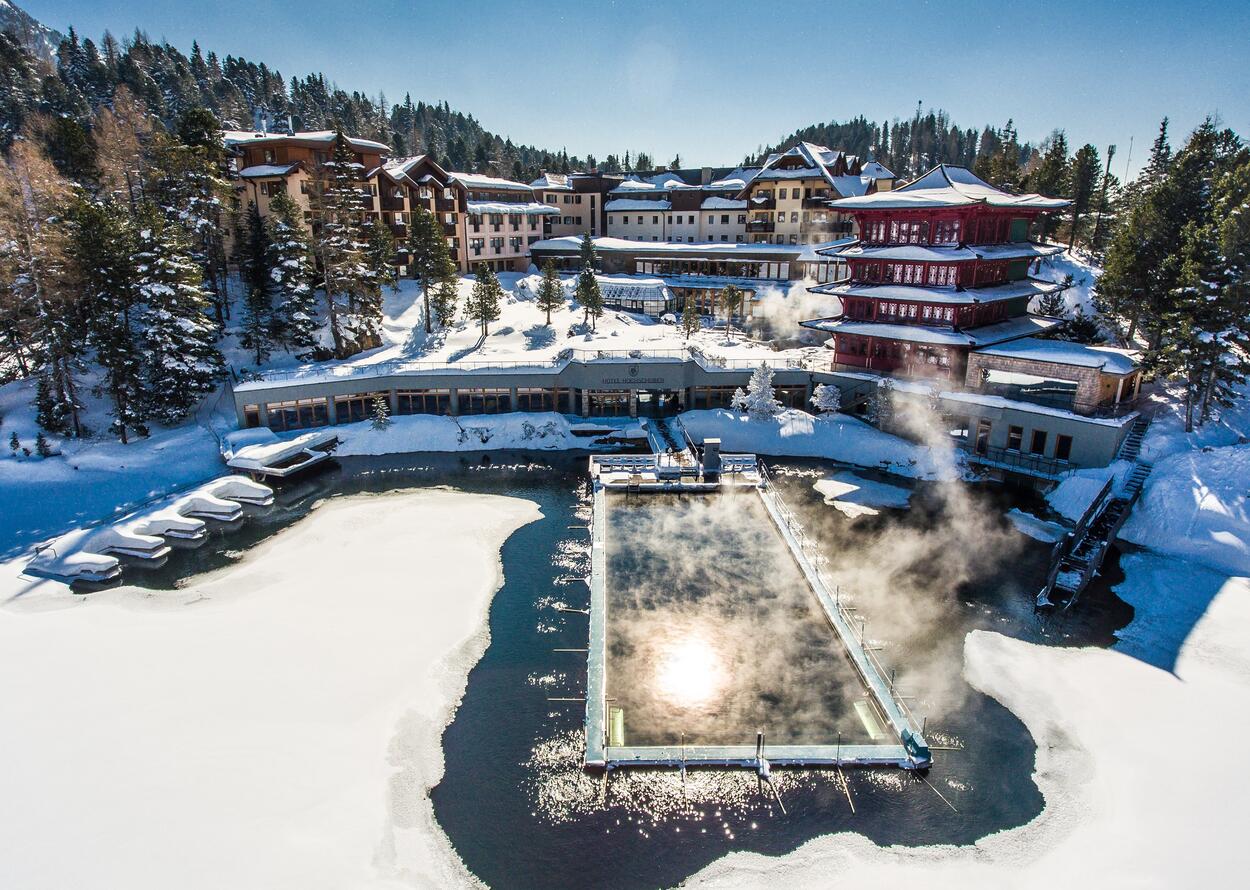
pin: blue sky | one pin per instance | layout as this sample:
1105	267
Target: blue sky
714	80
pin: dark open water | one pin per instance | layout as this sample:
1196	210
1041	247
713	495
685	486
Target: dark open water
514	800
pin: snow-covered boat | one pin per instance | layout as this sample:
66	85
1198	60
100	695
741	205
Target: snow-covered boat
261	452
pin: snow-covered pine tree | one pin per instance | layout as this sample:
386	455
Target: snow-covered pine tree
428	252
181	360
259	326
550	290
690	320
1082	179
760	401
381	413
42	448
291	274
589	295
483	304
353	297
380	249
103	247
15	444
826	398
446	293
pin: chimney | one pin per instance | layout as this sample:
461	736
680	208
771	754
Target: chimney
705	176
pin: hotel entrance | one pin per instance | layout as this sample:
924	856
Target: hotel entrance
658	403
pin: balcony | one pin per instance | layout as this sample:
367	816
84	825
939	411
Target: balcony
820	202
450	229
761	202
760	225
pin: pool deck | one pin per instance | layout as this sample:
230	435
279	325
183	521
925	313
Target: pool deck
910	751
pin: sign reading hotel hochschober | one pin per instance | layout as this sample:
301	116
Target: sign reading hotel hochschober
632	381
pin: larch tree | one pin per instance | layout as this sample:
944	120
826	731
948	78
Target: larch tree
484	300
291	275
41	280
550	290
121	132
181	359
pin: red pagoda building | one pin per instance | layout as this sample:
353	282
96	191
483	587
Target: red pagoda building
941	270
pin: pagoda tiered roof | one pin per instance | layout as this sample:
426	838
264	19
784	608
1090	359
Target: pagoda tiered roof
1000	332
947	186
1012	290
923	253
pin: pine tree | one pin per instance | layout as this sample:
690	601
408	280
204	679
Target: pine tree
589	259
690	320
353	298
826	398
589	295
381	413
759	402
291	274
103	246
550	290
181	360
42	448
881	404
446	293
259	324
731	301
15	444
483	304
1082	178
429	255
380	249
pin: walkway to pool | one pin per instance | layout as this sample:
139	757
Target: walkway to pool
897	737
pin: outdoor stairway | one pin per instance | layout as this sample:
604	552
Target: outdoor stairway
1131	446
1079	555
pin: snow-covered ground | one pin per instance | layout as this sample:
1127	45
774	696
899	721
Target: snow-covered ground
427	432
834	436
853	495
274	724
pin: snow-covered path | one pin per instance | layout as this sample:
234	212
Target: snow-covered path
275	724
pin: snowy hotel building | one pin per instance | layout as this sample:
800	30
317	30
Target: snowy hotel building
680	206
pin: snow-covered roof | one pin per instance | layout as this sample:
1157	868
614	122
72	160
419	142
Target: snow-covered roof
553	181
1012	290
1062	352
716	202
656	249
616	290
815	161
259	171
938	254
1011	329
636	204
480	181
251	137
399	168
949	186
876	170
529	208
660	182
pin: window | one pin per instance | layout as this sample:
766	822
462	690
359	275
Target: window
357	407
690	219
958	428
655	220
1037	445
269	156
273	189
669	219
536	399
298	414
781	193
946	231
742	219
982	444
711	220
251	416
1015	437
1063	447
303	186
484	401
496	245
724	219
423	401
476	245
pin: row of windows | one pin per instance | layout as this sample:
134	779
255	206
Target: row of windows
960	428
515	244
568	199
795	193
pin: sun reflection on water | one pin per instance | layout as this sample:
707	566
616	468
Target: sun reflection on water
689	671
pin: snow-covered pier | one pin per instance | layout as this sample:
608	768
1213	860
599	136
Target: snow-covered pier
605	743
92	554
675	471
